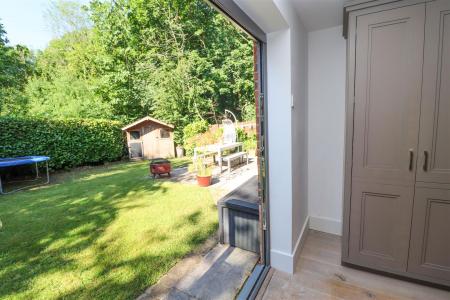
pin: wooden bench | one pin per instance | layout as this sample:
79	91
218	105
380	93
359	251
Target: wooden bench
229	158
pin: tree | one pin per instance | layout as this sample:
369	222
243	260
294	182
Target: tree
16	64
67	80
3	38
64	16
176	60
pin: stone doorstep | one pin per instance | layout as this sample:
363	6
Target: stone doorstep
218	274
184	266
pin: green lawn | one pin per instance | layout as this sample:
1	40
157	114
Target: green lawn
104	234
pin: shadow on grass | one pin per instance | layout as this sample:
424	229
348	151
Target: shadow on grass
43	229
134	286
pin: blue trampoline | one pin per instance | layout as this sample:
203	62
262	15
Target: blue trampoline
21	161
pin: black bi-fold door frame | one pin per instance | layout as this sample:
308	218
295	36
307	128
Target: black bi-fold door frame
239	18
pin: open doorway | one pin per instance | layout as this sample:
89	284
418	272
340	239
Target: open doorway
110	215
233	149
242	173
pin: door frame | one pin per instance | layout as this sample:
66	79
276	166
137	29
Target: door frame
240	19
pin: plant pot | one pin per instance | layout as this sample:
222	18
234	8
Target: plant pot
204	181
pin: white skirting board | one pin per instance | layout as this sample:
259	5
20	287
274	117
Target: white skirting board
282	261
286	261
327	225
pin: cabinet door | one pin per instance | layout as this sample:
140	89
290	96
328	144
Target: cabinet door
380	224
434	149
388	79
430	235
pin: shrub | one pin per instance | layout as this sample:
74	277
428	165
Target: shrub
200	168
69	142
249	112
195	128
202	139
250	144
248	139
241	136
191	131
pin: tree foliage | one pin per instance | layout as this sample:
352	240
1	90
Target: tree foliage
67	81
16	66
64	16
177	60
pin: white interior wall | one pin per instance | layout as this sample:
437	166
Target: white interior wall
287	52
308	71
299	131
296	51
326	126
279	142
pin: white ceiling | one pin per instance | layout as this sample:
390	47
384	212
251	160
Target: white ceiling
319	14
314	14
264	13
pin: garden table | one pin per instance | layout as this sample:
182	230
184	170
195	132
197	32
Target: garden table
217	148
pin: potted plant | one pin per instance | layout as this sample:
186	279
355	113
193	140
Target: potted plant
203	172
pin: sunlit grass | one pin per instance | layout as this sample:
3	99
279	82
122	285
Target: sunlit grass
104	234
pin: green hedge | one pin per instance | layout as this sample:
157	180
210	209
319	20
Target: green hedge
69	143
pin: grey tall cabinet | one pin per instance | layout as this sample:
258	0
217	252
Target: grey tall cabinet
397	181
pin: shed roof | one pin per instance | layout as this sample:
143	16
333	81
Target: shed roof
145	119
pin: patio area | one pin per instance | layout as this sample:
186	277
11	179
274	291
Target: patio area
223	182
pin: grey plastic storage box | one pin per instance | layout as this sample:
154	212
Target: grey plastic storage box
239	220
239	217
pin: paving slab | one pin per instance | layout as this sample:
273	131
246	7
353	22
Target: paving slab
217	275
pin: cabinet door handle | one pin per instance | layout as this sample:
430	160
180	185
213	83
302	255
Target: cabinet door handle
425	161
411	158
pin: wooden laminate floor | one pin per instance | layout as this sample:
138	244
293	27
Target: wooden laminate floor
319	275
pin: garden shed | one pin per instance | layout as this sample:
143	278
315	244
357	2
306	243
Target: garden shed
150	138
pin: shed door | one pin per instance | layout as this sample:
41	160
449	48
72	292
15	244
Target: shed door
136	149
149	141
165	145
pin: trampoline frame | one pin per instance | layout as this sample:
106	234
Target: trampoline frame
2	192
